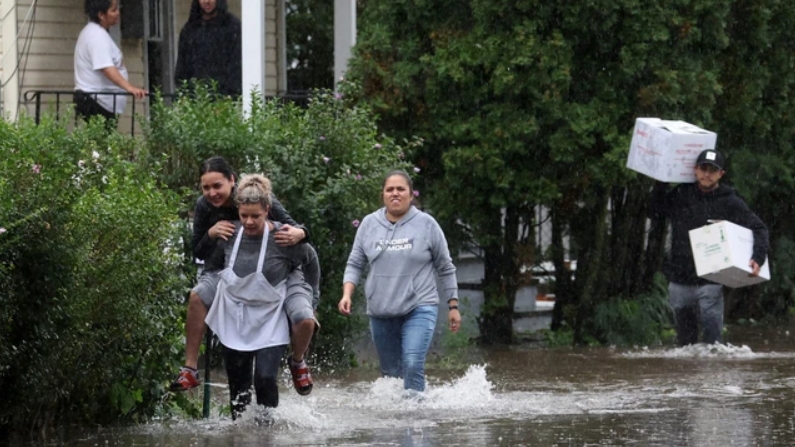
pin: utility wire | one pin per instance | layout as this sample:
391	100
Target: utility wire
29	21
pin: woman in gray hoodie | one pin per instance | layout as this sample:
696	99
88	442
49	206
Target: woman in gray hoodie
403	248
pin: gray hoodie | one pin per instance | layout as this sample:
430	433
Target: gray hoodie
402	258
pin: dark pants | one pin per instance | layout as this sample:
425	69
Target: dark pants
693	304
86	107
263	366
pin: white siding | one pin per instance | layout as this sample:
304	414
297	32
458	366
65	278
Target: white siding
182	10
1	43
46	45
2	112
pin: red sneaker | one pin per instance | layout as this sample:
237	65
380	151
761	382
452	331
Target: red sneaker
302	380
185	381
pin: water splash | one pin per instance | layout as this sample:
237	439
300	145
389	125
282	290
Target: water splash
384	403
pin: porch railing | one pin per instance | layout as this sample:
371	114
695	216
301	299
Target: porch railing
60	100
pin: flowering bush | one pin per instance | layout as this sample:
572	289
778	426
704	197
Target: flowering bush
90	293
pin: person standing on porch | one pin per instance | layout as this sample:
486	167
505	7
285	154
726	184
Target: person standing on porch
99	65
210	48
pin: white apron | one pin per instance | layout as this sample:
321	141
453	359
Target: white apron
247	313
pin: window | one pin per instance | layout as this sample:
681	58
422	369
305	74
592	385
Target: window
155	20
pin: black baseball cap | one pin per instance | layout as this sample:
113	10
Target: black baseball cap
711	157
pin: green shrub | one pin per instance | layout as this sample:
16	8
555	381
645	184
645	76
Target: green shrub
640	321
95	258
195	126
90	278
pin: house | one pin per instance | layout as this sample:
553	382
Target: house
37	38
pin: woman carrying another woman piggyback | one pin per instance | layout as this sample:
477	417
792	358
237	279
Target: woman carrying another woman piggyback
405	250
215	221
253	283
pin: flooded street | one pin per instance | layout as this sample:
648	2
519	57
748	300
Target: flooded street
739	394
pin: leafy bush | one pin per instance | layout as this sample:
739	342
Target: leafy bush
94	260
195	126
640	321
90	288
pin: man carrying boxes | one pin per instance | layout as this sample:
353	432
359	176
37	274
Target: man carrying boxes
690	206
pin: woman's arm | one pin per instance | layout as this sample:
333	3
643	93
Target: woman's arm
443	264
113	74
345	304
293	232
357	261
203	245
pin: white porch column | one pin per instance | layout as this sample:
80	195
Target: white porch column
344	36
253	28
10	77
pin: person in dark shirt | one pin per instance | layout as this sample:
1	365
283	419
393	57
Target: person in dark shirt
215	218
210	47
690	206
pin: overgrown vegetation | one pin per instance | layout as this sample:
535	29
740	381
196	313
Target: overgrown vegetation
94	262
529	105
91	288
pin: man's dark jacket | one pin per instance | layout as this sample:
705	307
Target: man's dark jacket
688	208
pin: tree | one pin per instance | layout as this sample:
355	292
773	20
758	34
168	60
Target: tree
756	127
531	103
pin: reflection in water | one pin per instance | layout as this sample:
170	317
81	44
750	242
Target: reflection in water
694	396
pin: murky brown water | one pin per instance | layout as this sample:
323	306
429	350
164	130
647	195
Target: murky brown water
742	394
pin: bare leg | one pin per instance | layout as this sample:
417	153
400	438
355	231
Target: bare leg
194	329
301	337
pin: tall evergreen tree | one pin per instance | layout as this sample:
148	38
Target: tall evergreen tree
531	103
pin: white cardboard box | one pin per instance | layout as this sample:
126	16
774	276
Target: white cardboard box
667	150
722	251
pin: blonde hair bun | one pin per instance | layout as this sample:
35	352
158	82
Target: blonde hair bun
254	188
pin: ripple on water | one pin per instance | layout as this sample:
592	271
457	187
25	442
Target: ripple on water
639	396
714	351
384	405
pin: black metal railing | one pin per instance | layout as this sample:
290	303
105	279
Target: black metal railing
60	100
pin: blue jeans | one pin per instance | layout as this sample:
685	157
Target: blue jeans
402	344
691	302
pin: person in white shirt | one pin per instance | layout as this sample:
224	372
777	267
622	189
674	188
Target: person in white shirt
99	65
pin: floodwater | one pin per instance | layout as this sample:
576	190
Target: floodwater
738	394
